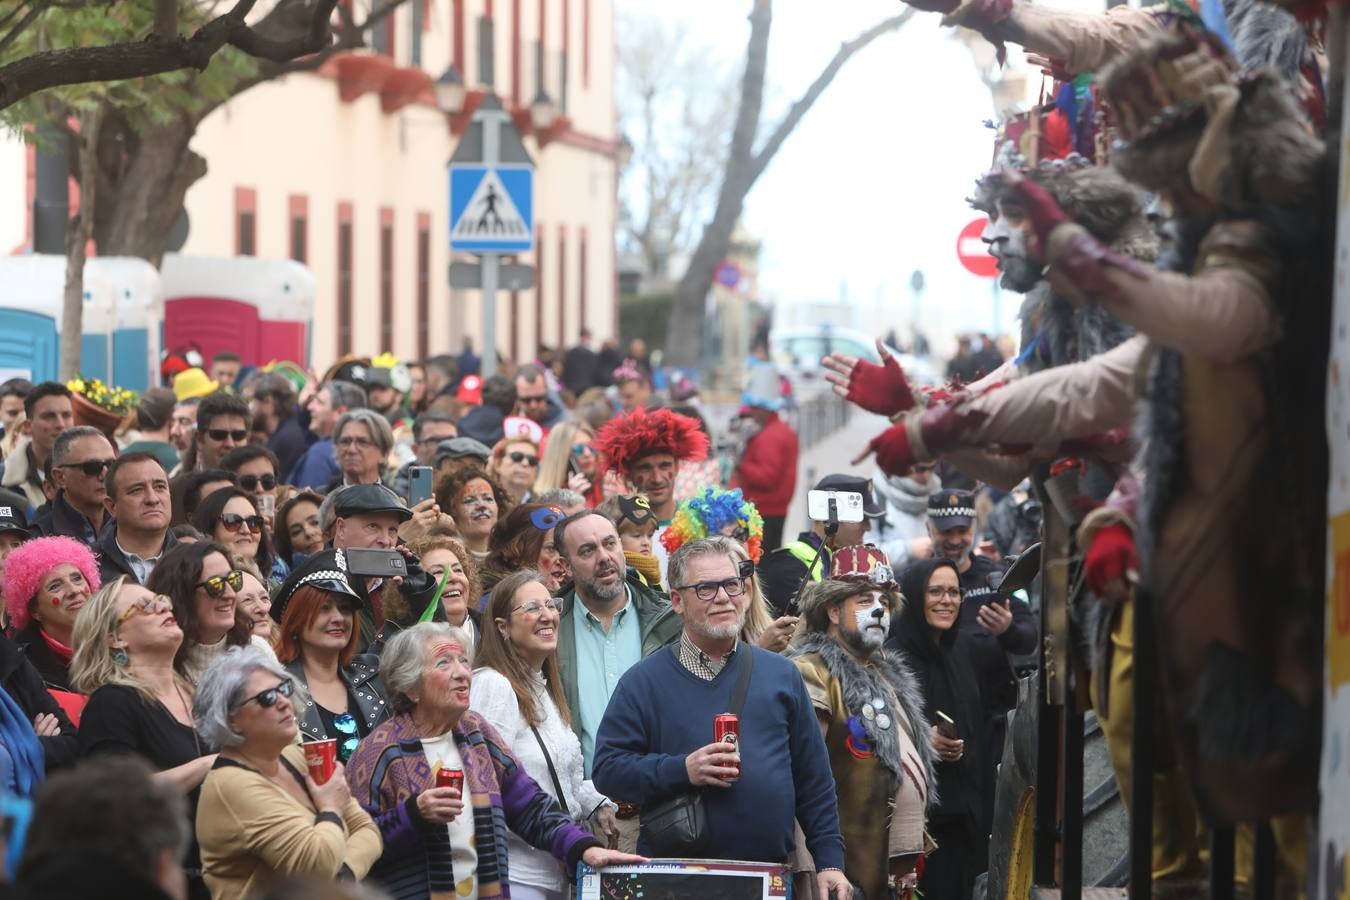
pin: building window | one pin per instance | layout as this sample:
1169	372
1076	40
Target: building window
581	279
457	38
247	247
562	286
245	221
298	233
423	285
585	44
344	285
386	281
419	12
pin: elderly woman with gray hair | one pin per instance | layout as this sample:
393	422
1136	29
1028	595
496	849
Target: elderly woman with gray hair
261	816
363	440
444	841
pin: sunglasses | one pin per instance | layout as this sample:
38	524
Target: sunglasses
251	482
346	726
517	456
234	523
220	434
579	450
146	606
91	467
268	698
215	585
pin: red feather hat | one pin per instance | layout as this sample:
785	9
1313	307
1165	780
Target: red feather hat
628	438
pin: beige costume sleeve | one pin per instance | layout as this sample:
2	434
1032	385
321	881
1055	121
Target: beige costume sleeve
1221	313
1046	408
1084	42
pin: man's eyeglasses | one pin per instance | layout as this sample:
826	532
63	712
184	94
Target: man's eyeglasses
518	457
358	442
250	482
220	434
145	606
215	585
91	467
234	523
268	698
534	607
707	590
937	593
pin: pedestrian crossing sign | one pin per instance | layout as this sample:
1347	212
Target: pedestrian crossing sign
492	208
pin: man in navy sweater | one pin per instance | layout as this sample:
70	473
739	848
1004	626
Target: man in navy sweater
654	741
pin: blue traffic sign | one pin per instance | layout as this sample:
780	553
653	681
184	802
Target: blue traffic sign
492	208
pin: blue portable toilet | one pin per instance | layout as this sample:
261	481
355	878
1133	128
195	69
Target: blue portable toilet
124	292
31	288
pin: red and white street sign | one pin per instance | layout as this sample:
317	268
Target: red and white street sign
973	252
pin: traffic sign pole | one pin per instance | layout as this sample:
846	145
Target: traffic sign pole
492	149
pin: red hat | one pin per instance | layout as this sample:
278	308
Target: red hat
470	390
627	439
864	564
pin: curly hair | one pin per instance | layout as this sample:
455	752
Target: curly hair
395	605
29	563
451	487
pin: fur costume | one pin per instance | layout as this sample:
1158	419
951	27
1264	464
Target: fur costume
625	440
1232	515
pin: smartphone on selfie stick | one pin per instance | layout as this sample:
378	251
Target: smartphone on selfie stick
830	507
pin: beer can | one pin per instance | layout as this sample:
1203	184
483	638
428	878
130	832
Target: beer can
451	778
727	728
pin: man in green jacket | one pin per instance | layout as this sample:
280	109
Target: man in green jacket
609	622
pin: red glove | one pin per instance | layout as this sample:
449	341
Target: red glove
1111	556
881	389
1042	209
894	456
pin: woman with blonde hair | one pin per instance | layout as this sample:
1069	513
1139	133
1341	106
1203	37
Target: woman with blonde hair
126	638
761	628
570	462
253	600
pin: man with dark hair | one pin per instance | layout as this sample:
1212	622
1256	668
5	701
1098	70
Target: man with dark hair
429	429
109	829
184	424
225	367
610	620
223	422
12	393
138	500
580	365
79	459
442	375
532	397
273	407
484	423
50	411
317	466
154	420
190	488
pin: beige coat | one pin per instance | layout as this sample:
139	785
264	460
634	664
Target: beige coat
252	833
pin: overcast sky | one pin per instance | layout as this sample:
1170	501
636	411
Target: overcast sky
872	184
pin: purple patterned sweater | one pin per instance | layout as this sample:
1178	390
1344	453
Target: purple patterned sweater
388	771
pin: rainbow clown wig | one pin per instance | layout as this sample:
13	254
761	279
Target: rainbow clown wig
716	512
29	564
627	439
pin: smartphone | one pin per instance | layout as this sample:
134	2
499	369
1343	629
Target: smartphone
945	726
420	484
376	562
847	506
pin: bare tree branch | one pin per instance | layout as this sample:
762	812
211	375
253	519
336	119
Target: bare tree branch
799	109
19	27
158	54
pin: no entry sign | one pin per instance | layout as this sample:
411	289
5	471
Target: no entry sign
973	252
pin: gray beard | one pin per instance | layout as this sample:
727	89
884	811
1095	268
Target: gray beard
595	591
720	632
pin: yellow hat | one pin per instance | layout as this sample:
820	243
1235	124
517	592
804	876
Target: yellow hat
193	383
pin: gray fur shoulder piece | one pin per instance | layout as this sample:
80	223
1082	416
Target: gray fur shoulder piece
859	684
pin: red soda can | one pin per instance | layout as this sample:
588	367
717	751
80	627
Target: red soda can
727	729
451	778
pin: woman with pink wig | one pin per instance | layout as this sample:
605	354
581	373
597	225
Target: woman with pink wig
48	581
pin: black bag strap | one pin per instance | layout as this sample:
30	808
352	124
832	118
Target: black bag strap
552	773
743	680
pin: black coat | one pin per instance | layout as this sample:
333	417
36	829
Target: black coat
58	517
947	680
25	686
579	369
990	654
781	574
112	562
289	442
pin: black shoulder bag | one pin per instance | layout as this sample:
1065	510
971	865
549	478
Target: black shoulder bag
678	826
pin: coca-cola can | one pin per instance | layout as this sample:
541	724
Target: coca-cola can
727	729
451	778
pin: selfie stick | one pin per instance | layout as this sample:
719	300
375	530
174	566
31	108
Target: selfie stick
831	528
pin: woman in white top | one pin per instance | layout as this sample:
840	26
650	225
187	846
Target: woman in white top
516	688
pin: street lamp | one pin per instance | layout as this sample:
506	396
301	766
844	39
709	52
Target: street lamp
449	89
543	111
